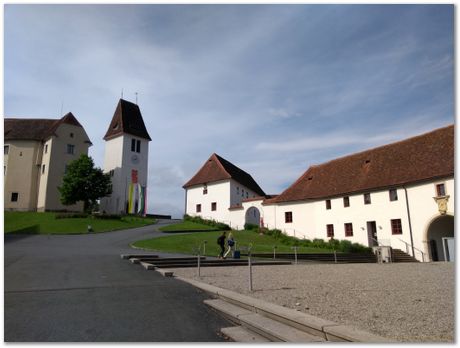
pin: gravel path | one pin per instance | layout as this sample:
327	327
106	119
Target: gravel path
409	302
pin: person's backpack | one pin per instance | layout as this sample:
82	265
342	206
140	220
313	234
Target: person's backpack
219	240
231	242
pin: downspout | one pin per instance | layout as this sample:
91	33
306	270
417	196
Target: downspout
410	225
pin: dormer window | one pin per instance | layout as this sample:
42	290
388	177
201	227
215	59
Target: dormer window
71	135
115	126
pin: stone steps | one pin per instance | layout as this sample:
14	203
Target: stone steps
271	330
242	335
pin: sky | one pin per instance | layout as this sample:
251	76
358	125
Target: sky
273	89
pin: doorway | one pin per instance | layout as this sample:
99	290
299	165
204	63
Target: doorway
372	233
440	236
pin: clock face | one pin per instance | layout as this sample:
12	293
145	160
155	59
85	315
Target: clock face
135	159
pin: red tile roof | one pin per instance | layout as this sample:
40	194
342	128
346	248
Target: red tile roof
35	128
217	168
424	157
127	119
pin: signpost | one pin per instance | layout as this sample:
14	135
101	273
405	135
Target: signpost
248	249
295	253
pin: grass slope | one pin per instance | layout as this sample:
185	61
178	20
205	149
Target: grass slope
45	223
188	226
186	243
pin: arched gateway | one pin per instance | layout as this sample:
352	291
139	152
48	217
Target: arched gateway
440	237
252	216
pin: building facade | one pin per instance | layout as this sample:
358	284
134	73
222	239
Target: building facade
36	153
126	159
399	195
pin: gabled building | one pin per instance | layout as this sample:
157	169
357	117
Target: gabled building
36	153
126	159
217	188
400	195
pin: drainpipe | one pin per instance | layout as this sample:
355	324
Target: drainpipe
410	225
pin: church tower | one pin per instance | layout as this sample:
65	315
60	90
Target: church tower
126	159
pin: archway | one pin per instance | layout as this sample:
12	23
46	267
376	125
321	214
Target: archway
252	216
441	227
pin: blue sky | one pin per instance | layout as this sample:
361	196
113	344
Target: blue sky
271	88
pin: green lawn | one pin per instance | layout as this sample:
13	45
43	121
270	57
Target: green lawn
186	243
45	223
187	226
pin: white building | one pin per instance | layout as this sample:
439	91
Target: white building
401	194
126	159
36	154
217	188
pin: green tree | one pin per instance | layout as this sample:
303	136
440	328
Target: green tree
84	182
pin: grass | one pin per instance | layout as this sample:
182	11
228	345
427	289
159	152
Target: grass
187	243
188	226
45	223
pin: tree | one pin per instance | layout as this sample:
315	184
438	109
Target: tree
84	182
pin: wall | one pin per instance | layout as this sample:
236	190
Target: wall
55	162
21	174
119	158
218	192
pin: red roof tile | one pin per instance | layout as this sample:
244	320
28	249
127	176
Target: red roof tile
424	157
217	168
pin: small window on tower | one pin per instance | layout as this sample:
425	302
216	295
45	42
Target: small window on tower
133	145
138	146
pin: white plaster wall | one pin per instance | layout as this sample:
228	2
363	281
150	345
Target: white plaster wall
303	219
218	192
118	157
237	198
424	209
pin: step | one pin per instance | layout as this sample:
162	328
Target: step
242	335
271	329
128	256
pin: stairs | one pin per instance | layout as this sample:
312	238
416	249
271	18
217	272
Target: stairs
259	321
398	255
324	257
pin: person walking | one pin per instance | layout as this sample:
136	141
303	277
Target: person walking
221	242
230	243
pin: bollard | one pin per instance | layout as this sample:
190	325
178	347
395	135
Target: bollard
295	254
274	252
204	247
335	256
199	269
250	271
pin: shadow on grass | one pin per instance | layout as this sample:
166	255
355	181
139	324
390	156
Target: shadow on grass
22	233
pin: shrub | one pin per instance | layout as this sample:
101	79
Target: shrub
213	223
108	216
250	227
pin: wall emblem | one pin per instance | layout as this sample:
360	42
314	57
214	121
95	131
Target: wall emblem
442	204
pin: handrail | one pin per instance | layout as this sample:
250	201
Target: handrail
410	245
378	243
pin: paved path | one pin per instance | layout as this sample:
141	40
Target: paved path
75	288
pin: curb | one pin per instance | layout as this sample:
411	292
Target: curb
315	325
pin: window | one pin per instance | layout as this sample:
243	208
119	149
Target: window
328	204
14	196
367	198
112	172
70	149
198	208
133	145
71	135
237	190
43	169
6	149
242	193
440	190
213	206
138	146
4	170
46	148
330	231
205	189
247	194
393	195
396	227
346	201
288	217
348	229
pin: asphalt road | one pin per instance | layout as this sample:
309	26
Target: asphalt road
76	288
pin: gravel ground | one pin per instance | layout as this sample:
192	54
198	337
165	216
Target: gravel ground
408	302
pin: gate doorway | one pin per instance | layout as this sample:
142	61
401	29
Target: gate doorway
440	235
252	216
372	233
